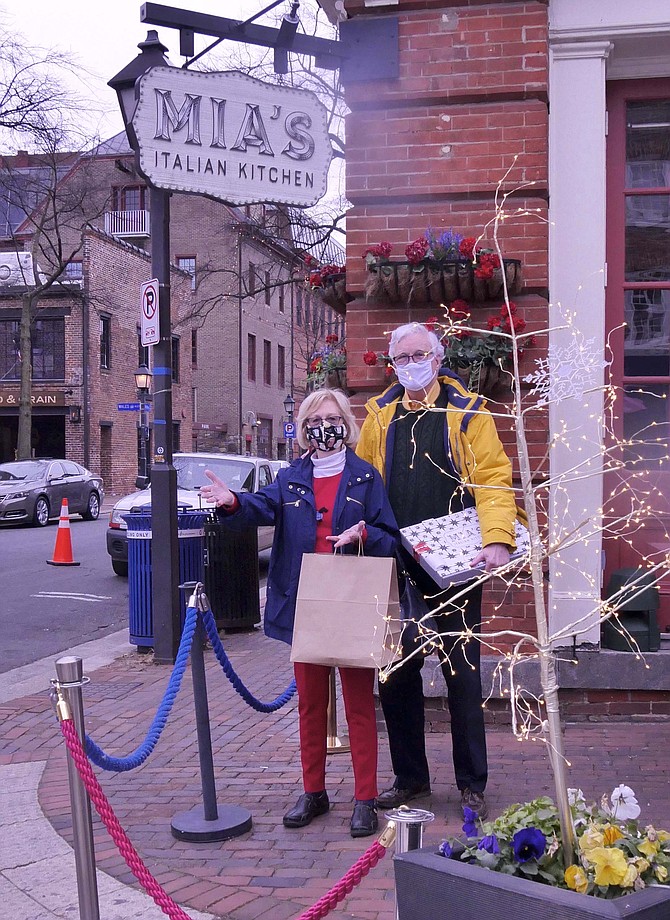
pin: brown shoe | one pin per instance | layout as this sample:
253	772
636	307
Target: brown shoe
400	795
476	802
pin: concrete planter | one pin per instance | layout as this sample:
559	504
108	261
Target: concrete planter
430	887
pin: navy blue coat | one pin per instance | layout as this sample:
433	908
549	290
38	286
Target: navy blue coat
288	503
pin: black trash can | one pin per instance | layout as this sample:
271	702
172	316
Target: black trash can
191	539
636	615
232	579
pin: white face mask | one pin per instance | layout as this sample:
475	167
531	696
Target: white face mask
416	376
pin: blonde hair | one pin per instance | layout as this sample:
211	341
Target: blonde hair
312	402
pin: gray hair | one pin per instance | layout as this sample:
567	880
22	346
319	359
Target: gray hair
312	402
410	329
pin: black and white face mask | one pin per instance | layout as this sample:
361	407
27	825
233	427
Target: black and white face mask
326	437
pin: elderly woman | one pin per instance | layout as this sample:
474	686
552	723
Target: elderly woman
326	500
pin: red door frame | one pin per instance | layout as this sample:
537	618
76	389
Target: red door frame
619	552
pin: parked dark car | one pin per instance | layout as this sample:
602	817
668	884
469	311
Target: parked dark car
33	490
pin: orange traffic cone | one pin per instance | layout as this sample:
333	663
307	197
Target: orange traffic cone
63	548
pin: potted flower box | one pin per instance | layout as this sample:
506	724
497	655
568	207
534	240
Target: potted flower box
430	887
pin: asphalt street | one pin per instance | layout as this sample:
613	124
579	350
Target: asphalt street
45	609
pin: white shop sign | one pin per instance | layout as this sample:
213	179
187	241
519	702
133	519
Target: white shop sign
231	137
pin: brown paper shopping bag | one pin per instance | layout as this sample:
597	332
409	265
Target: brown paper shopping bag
347	611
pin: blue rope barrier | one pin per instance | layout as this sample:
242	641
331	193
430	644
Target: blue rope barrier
138	756
224	661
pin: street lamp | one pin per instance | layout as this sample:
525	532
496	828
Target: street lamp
142	381
289	407
152	54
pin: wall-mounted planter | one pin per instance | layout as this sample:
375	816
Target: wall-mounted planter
430	281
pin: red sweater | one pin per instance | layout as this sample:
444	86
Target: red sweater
325	491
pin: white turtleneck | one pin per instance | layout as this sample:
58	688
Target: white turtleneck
329	465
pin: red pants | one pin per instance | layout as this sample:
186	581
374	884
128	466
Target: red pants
313	681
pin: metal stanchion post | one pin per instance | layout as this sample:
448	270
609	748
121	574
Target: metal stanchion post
409	824
206	822
70	679
334	744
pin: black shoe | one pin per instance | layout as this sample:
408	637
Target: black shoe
399	795
310	805
364	820
476	802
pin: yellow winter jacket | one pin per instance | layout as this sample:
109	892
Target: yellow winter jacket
472	444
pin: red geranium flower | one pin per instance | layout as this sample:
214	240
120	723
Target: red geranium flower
467	247
315	279
494	322
380	251
331	339
417	250
370	358
432	324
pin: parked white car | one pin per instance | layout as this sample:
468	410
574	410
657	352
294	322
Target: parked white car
241	474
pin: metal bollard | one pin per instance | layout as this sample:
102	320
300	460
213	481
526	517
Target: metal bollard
334	744
206	823
70	679
409	824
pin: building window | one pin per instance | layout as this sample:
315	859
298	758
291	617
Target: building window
187	264
251	357
298	305
105	342
267	362
268	289
176	435
194	348
131	198
48	350
252	278
281	367
142	350
73	271
282	301
175	359
194	403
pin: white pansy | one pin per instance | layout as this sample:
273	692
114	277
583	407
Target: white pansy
624	804
576	797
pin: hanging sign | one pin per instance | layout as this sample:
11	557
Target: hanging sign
231	137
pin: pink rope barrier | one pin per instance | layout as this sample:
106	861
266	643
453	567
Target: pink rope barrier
323	906
111	822
346	884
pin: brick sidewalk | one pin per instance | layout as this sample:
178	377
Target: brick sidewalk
273	873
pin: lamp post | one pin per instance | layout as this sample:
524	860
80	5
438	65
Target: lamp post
142	381
165	552
289	408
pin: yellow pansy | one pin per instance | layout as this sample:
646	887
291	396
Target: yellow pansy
662	836
592	837
611	834
641	865
661	873
648	848
575	878
610	865
630	876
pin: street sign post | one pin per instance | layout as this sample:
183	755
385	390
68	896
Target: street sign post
289	431
149	312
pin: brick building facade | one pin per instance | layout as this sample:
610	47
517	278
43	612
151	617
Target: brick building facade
513	97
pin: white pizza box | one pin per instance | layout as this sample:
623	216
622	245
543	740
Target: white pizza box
444	546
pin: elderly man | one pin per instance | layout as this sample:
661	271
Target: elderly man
437	448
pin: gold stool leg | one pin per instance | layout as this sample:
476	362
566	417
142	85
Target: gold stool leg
334	745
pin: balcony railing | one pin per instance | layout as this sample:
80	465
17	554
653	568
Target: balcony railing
127	223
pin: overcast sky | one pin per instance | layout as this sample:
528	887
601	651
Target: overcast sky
102	37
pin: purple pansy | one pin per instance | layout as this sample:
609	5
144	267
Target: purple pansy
445	849
489	843
470	825
529	843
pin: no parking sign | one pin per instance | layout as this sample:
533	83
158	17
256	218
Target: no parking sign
149	312
289	431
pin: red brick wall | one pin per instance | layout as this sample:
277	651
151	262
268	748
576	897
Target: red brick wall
431	149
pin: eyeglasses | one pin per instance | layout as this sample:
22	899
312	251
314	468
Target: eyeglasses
316	422
418	358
